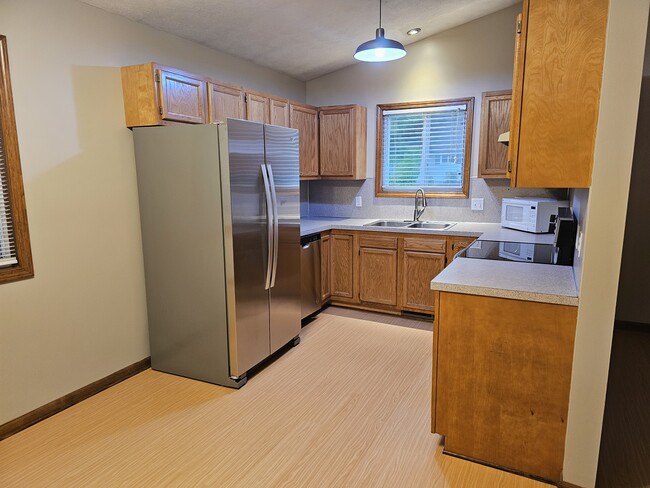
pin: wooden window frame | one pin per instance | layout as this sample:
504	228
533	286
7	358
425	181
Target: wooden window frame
469	101
25	267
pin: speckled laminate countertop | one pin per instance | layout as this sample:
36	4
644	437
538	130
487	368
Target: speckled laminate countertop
483	230
520	281
544	283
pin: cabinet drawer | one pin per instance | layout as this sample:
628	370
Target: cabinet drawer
380	242
426	244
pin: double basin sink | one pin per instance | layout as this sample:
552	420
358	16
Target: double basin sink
411	225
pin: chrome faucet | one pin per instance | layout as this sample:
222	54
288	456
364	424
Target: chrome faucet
419	210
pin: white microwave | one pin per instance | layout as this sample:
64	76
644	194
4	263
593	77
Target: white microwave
531	214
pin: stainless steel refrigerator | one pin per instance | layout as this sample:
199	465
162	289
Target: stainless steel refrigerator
220	217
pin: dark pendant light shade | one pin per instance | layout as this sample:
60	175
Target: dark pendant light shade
380	49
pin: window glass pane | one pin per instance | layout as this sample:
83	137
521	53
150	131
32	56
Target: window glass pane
7	245
424	148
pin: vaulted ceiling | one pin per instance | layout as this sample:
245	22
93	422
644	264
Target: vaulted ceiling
303	38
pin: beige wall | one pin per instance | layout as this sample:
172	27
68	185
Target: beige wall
603	239
83	316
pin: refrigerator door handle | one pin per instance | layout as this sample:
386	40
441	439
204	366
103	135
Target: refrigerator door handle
276	231
269	227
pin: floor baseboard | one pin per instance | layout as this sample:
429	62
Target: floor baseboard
41	413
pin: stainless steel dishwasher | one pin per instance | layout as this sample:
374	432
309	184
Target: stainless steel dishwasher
310	290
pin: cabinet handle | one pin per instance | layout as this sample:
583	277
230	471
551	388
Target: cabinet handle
509	166
519	26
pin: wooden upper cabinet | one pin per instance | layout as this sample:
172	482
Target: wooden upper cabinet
226	101
343	141
495	120
279	111
257	107
157	95
556	92
305	119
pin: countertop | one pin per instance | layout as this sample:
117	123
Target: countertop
544	283
520	281
484	231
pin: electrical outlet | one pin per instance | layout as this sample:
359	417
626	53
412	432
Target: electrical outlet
477	204
357	201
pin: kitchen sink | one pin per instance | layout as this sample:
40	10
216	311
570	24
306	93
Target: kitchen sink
389	223
411	225
431	225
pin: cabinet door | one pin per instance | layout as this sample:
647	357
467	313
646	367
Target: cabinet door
325	262
342	271
456	245
305	119
378	276
419	268
257	108
226	102
279	110
336	133
558	84
495	120
182	98
503	380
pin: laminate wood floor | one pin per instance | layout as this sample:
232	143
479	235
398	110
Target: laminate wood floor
348	407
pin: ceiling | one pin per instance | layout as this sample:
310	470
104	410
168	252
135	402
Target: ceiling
302	38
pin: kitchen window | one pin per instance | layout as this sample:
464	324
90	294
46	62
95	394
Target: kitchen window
424	145
15	249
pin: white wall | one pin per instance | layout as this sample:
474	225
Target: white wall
83	316
603	239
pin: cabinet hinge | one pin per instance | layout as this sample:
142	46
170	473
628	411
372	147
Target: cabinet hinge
157	77
509	166
246	98
518	26
160	110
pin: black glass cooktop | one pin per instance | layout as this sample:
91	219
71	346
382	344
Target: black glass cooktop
526	252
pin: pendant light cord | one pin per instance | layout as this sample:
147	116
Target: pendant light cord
380	14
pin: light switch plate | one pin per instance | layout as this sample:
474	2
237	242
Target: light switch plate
477	204
357	201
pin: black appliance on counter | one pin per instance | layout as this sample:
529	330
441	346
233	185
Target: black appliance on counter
565	236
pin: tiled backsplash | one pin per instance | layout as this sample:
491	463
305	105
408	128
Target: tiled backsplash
321	198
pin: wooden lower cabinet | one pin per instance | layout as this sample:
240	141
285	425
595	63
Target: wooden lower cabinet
378	276
456	245
418	269
501	380
343	266
325	263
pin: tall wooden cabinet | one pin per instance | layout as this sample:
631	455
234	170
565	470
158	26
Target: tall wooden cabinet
226	101
556	92
305	119
343	142
258	107
495	120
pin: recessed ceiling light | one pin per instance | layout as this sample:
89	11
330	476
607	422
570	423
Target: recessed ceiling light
415	30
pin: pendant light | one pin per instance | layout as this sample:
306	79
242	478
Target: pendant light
380	49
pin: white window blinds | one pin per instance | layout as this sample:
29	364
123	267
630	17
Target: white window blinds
7	243
424	148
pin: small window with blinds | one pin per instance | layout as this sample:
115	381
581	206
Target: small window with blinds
15	249
424	145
